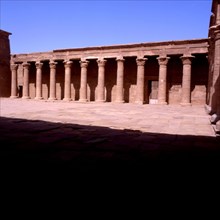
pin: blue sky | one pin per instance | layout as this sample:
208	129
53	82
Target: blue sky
46	25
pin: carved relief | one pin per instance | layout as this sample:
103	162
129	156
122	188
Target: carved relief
84	63
187	60
101	63
163	60
120	59
141	61
38	65
67	64
26	65
53	65
14	67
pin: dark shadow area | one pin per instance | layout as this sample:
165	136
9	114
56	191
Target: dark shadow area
174	79
91	75
127	88
151	74
149	90
146	91
20	91
199	79
130	79
60	80
32	80
45	80
75	80
57	147
110	78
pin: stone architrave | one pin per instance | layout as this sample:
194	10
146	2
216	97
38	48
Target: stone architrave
162	88
38	80
101	81
67	85
14	68
26	67
186	80
140	80
120	80
83	81
52	95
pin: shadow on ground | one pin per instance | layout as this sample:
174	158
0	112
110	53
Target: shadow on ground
41	145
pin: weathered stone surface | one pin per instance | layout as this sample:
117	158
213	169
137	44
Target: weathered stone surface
5	77
218	126
213	93
123	77
214	118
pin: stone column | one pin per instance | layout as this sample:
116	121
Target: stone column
39	80
140	80
67	85
52	80
26	67
14	68
120	80
83	81
186	80
162	88
101	81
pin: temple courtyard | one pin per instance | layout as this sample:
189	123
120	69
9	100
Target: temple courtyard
92	135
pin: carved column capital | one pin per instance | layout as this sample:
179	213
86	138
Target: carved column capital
14	66
215	32
163	60
101	63
141	61
38	65
53	65
26	65
120	59
187	59
67	63
84	63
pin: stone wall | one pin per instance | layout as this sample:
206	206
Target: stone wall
199	85
5	73
213	93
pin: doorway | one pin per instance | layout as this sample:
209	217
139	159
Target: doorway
153	91
20	91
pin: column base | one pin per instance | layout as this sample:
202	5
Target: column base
67	99
208	109
214	118
13	97
25	97
139	102
52	99
185	104
38	98
83	100
119	101
100	101
162	103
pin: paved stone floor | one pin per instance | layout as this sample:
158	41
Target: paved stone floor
94	136
147	118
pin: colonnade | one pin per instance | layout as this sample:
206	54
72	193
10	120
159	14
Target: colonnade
162	87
